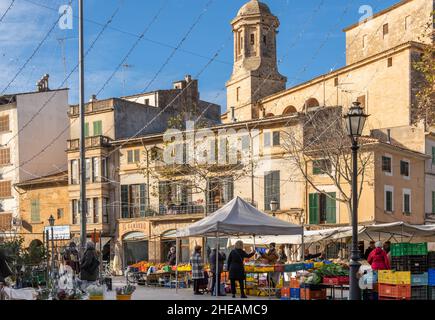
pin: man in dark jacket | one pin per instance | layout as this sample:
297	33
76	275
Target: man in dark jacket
89	264
369	250
212	260
5	270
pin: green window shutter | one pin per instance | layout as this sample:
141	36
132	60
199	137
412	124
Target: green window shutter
316	168
331	209
314	208
98	128
124	202
34	211
86	129
433	155
433	201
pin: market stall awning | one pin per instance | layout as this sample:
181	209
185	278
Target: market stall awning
401	231
238	218
309	237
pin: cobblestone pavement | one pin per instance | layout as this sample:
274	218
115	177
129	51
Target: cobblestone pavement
152	293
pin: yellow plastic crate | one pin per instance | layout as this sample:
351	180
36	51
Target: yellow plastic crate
249	269
402	277
394	278
318	265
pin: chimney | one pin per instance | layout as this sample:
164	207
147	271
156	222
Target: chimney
188	78
389	136
93	98
233	114
42	85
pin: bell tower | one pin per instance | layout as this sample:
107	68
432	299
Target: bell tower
255	72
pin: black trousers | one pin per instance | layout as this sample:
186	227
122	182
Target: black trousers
196	284
213	285
242	287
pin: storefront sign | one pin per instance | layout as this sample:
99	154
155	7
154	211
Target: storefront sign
59	232
133	226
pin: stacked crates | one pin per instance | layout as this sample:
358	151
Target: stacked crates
414	258
394	285
431	284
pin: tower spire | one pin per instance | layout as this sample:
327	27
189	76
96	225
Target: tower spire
255	73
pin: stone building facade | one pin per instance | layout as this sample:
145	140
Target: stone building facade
41	198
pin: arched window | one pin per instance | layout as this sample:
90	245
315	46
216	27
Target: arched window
269	115
311	103
289	110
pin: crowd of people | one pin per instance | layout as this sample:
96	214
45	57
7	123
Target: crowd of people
377	255
85	268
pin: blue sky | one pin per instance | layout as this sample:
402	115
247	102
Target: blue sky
310	42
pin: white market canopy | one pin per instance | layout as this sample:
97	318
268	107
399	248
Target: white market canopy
238	218
398	230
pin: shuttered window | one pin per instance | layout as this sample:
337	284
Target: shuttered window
5	157
314	208
323	208
331	204
124	202
98	128
433	202
5	189
271	189
134	201
433	156
4	123
35	216
86	129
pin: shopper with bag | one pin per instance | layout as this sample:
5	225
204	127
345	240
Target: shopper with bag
89	265
197	269
236	268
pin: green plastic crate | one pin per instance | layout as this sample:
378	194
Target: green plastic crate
418	249
408	249
399	249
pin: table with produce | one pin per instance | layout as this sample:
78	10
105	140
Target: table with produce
161	274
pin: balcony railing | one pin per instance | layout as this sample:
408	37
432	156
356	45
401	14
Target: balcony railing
92	107
90	142
172	210
5	221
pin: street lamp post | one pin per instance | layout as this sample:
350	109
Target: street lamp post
274	207
51	222
355	120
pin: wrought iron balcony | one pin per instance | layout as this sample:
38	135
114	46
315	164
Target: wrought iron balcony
90	142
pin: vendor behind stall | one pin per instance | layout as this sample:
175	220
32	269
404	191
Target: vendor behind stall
271	257
369	249
172	257
309	256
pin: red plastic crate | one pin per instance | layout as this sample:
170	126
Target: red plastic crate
285	292
308	294
343	280
294	283
395	291
331	280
